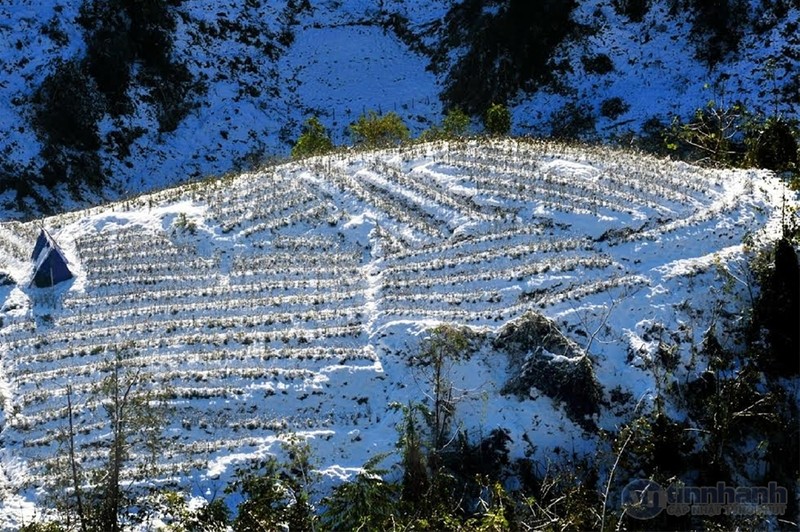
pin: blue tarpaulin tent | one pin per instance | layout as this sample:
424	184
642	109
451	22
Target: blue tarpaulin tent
50	264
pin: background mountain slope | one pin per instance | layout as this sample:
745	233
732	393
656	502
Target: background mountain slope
101	99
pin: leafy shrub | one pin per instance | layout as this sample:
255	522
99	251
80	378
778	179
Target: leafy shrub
653	137
184	225
613	108
715	135
473	465
20	179
265	498
374	131
42	527
416	479
456	123
568	377
635	10
733	409
572	121
172	93
497	120
597	64
366	503
717	26
559	495
439	352
80	92
276	495
67	107
213	516
659	446
773	145
73	167
732	136
110	52
313	141
120	33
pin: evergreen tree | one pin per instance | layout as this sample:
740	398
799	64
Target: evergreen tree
313	141
779	312
497	120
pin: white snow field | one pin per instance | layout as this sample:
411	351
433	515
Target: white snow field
291	300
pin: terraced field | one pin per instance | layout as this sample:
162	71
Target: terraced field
292	300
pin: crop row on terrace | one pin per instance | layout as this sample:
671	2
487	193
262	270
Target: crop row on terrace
529	154
423	183
13	247
433	285
242	287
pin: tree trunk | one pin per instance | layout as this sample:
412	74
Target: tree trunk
76	485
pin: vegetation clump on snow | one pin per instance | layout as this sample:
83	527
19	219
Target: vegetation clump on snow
546	361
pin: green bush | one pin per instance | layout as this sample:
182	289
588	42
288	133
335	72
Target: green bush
313	141
613	108
128	42
374	131
42	527
109	52
275	494
366	503
497	120
715	135
635	10
456	123
732	136
72	167
172	94
717	26
67	107
572	121
213	516
653	137
597	64
121	33
773	145
777	312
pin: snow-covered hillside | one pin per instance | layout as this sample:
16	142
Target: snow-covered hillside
260	68
292	300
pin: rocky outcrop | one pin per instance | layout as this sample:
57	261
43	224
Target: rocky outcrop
544	360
